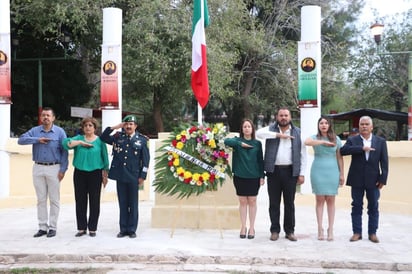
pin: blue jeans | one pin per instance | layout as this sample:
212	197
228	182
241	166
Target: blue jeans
372	196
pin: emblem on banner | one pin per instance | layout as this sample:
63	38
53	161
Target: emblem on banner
109	67
308	64
3	58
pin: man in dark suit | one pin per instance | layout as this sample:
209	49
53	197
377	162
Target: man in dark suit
368	173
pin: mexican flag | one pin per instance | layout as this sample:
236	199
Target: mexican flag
200	82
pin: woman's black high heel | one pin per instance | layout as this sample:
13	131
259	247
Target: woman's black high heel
250	236
243	236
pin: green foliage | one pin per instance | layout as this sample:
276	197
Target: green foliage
384	71
252	49
380	75
39	26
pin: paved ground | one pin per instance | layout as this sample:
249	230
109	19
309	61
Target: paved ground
204	251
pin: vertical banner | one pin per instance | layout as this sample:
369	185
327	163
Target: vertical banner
308	74
109	88
5	97
5	86
410	97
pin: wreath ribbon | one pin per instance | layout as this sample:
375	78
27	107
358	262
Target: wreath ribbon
195	161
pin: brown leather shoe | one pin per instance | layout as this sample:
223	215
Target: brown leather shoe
291	237
355	237
274	236
373	238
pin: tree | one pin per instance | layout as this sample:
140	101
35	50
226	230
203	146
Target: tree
252	48
380	76
268	72
39	26
159	55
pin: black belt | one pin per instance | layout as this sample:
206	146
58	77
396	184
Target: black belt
47	164
283	166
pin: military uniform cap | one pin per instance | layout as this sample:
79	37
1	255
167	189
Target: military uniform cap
130	118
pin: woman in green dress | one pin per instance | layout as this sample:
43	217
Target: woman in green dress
247	167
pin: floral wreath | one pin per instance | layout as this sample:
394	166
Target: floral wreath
193	160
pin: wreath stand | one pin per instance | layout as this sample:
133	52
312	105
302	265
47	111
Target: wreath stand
178	213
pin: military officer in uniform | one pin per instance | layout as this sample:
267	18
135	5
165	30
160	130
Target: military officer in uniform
129	168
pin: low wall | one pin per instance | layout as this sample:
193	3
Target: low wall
201	212
22	191
396	197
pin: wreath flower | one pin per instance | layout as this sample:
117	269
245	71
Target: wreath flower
193	160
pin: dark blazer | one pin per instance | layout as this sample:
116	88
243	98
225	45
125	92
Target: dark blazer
362	172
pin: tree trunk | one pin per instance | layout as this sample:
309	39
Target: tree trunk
157	111
248	89
246	92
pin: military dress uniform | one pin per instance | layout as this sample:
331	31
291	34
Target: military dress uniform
130	162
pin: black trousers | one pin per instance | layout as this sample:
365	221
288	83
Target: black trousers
282	183
87	190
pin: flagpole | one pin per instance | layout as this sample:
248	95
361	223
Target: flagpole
199	114
199	82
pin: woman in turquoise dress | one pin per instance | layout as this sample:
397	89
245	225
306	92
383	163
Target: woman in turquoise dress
326	173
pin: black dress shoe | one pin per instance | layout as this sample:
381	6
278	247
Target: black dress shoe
40	233
51	233
92	233
80	233
132	235
121	234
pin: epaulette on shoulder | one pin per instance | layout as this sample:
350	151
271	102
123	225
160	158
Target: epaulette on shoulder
144	136
118	134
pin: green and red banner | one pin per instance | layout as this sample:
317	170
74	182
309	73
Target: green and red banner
308	74
109	86
200	81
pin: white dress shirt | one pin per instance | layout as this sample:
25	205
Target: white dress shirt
284	155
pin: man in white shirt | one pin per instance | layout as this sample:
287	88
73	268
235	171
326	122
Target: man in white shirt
368	173
285	164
